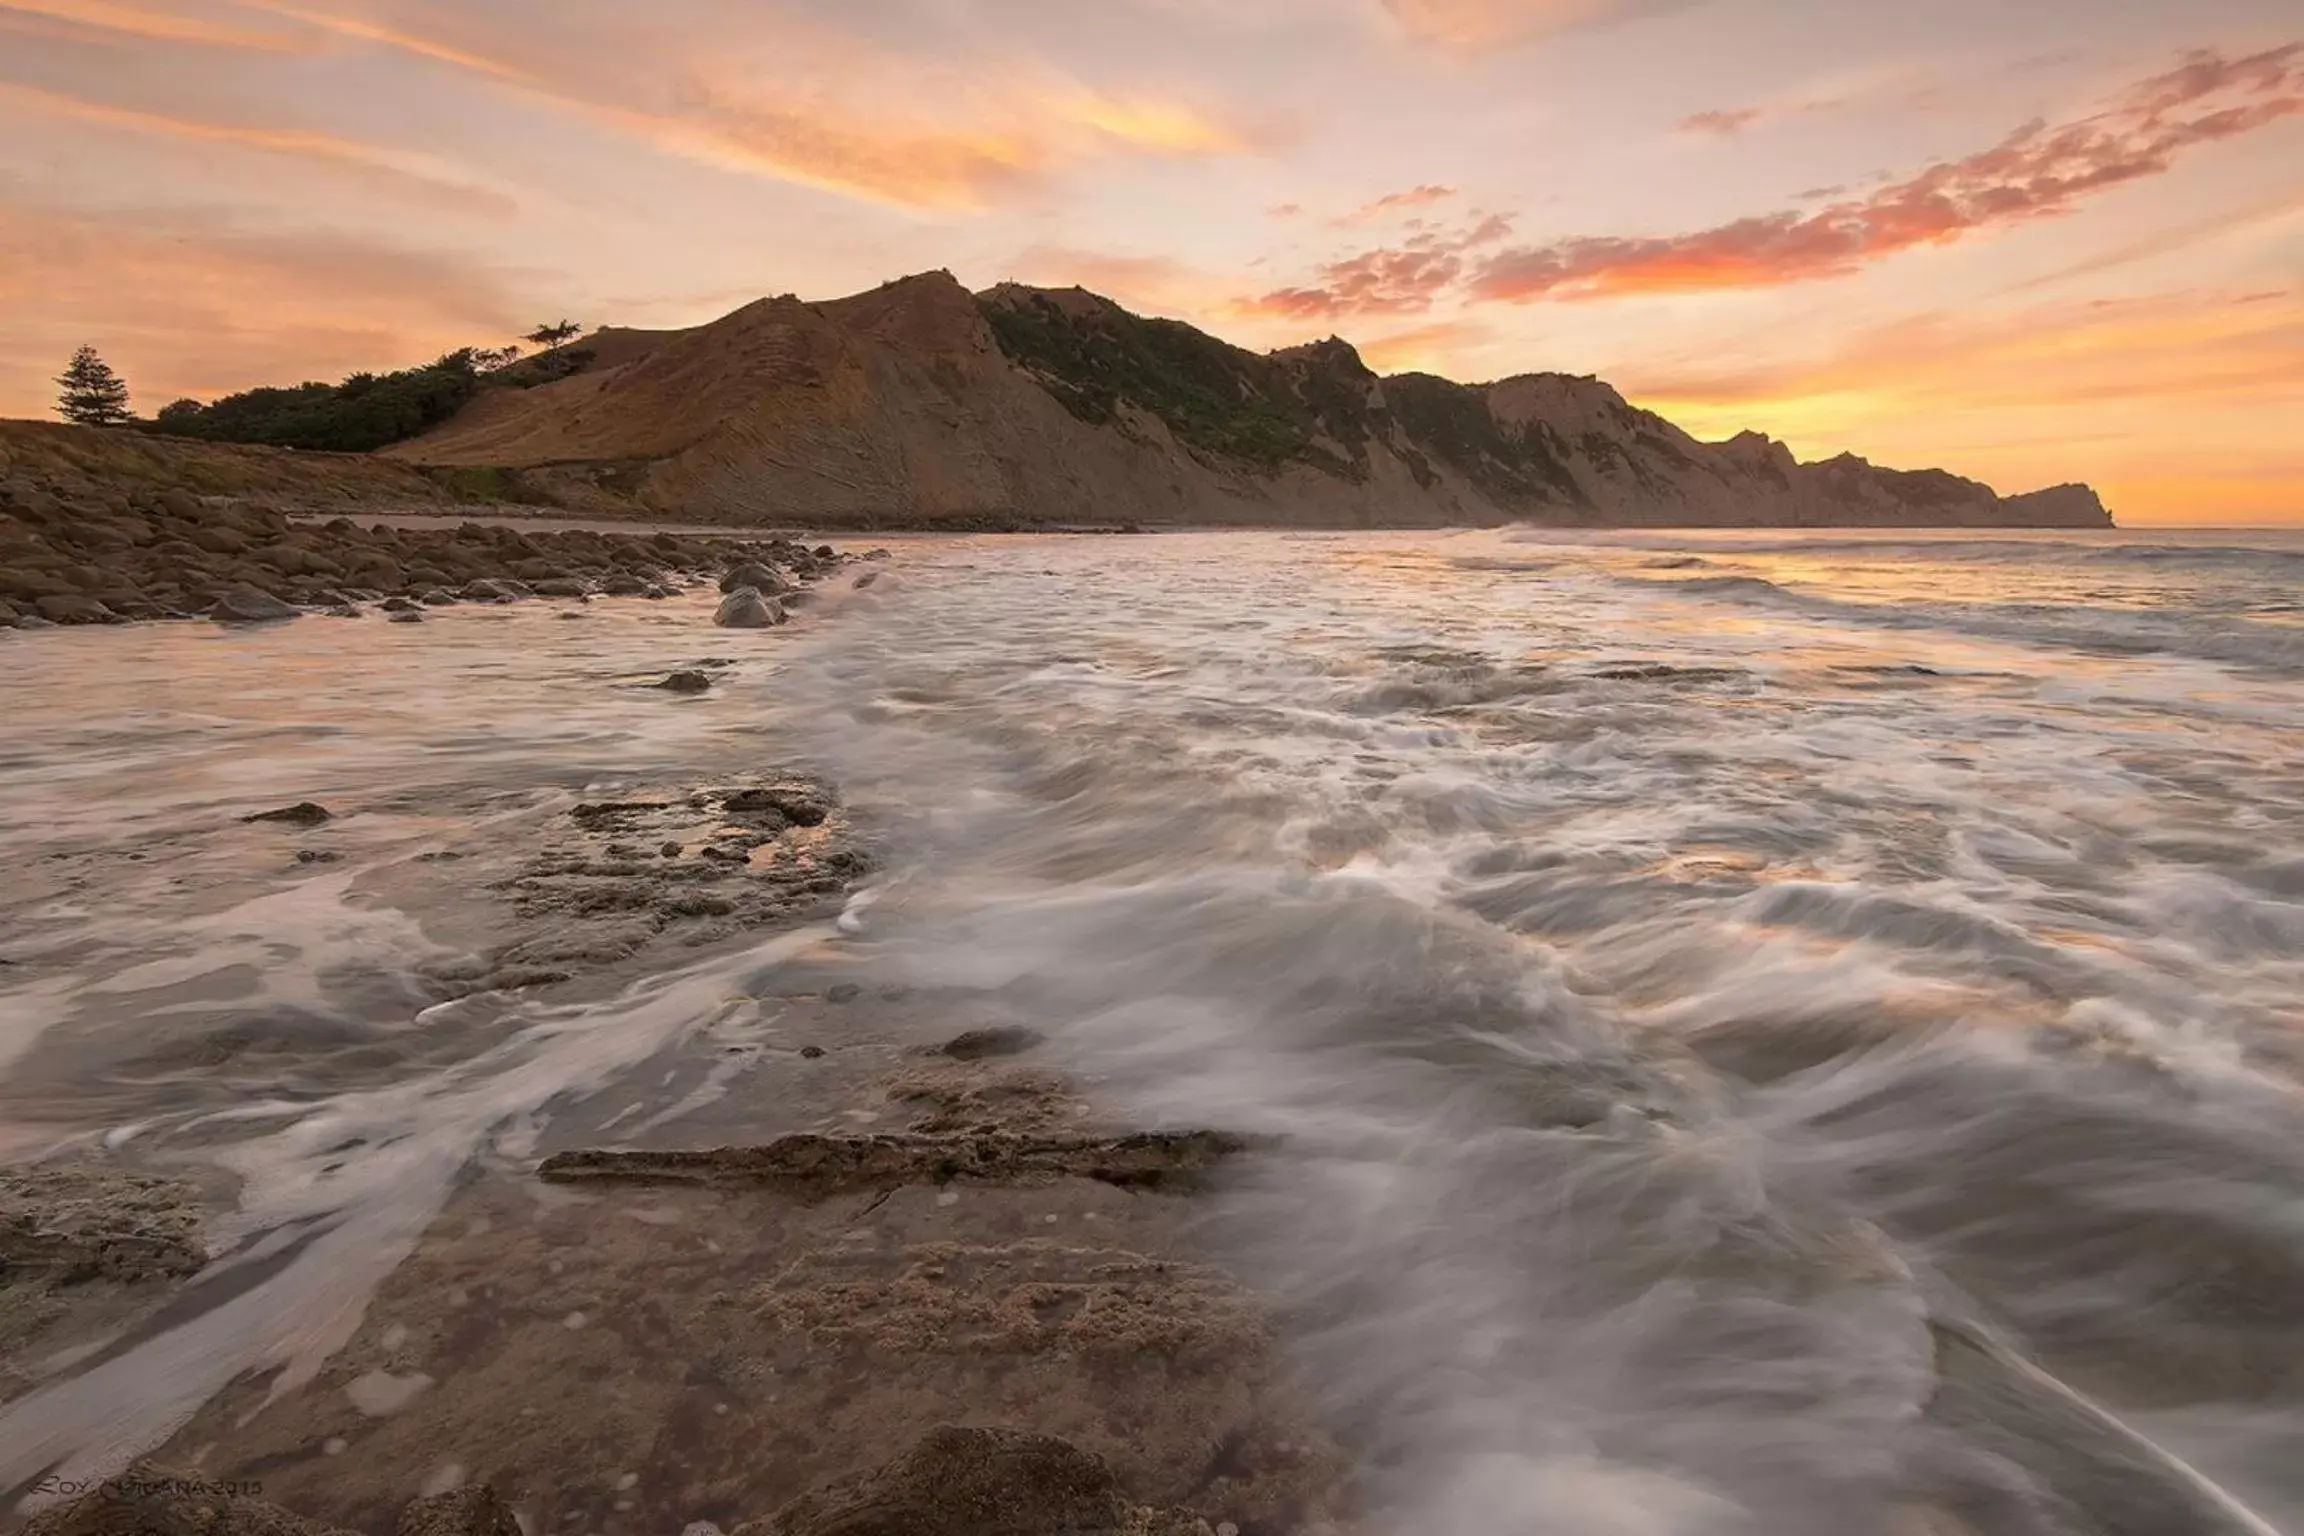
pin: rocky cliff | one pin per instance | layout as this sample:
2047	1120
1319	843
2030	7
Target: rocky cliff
920	403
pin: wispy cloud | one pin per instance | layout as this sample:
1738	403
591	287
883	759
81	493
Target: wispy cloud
408	173
2038	171
1393	204
837	113
1478	24
210	26
1725	123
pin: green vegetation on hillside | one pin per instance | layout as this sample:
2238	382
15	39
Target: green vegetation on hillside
367	411
1453	423
1213	396
370	410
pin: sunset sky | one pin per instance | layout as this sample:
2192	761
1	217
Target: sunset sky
2035	242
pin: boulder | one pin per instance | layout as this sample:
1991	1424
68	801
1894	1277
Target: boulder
27	586
751	573
74	608
562	586
624	584
380	573
398	605
250	605
745	608
405	616
34	503
687	681
438	597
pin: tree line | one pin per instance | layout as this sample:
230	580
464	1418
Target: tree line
365	412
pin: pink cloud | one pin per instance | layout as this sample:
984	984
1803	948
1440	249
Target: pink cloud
2039	171
1401	279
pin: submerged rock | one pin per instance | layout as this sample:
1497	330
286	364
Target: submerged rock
472	1511
2117	1482
999	1040
251	605
745	608
71	1222
152	1500
976	1482
795	803
304	813
688	681
816	1167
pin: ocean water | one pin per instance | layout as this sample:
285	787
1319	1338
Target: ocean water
1767	1033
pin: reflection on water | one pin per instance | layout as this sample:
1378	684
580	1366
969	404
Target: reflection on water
1771	1034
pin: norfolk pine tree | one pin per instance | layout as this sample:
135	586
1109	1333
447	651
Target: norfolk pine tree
92	394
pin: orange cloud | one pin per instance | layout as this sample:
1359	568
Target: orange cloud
1476	24
835	114
402	171
2194	344
2038	171
366	29
135	21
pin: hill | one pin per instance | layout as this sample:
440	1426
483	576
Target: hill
920	403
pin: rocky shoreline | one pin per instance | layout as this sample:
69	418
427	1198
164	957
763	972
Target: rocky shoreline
168	554
897	1274
961	1329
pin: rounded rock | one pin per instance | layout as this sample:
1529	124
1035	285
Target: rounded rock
745	608
251	605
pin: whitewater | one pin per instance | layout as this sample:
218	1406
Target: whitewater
1761	1032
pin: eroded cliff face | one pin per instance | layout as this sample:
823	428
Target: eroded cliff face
920	403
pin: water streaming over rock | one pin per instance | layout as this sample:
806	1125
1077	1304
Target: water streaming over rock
1767	1034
